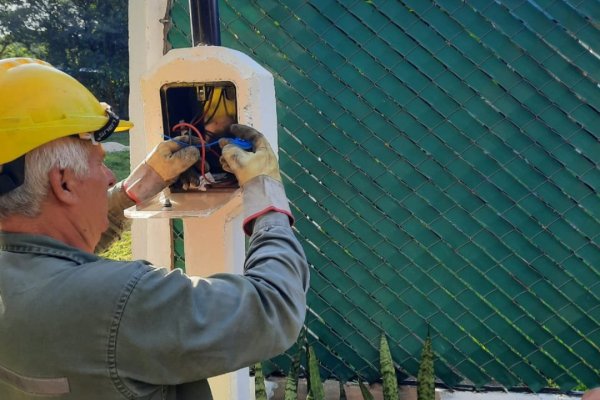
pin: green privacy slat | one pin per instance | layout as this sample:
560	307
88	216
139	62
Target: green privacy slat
590	203
354	80
589	252
574	162
180	33
586	225
589	8
534	75
494	196
275	10
551	369
465	170
585	114
179	36
480	108
575	188
252	14
510	133
178	245
496	327
559	351
524	59
569	74
557	37
247	34
491	220
354	342
339	323
326	358
541	160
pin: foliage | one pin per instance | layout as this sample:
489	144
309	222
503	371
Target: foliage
86	38
118	162
388	372
291	383
426	374
260	391
121	249
364	390
315	384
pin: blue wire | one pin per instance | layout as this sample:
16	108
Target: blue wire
184	144
236	141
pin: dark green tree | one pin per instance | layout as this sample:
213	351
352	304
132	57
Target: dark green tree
85	38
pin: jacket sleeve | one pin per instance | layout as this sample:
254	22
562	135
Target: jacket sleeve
118	201
176	328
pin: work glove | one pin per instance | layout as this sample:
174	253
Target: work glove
246	165
192	178
257	172
161	167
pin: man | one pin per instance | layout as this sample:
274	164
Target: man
76	326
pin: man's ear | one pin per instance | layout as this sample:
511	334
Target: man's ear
63	184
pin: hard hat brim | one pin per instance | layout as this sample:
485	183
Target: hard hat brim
29	140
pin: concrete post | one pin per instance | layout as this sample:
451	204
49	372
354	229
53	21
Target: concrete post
213	243
145	49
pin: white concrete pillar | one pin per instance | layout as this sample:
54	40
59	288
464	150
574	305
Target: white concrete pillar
145	49
214	241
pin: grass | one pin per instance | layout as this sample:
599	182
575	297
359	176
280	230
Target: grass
121	249
120	137
118	162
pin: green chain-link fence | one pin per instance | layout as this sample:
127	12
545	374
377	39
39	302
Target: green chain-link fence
441	158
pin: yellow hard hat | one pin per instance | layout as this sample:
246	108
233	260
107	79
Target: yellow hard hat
39	103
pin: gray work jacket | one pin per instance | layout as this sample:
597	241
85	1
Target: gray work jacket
74	325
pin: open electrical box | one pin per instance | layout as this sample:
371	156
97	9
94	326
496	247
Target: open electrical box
199	92
203	112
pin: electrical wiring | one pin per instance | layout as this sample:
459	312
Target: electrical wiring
216	108
207	116
205	107
184	144
224	93
202	143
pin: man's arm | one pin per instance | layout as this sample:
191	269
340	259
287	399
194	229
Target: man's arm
160	168
117	223
176	328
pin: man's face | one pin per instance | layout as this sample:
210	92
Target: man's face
93	207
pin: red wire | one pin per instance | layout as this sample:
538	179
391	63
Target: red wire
203	143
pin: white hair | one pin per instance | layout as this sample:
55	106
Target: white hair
67	152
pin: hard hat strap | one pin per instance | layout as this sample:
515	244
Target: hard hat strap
107	130
12	175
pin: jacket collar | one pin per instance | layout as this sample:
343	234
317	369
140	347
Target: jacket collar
43	245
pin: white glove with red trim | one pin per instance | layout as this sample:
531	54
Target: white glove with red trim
246	165
258	174
160	168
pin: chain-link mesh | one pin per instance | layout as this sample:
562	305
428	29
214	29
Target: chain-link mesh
441	159
178	35
178	244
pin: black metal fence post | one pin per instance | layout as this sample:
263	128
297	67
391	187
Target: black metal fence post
204	16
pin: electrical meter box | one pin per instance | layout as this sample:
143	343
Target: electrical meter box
198	93
203	112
